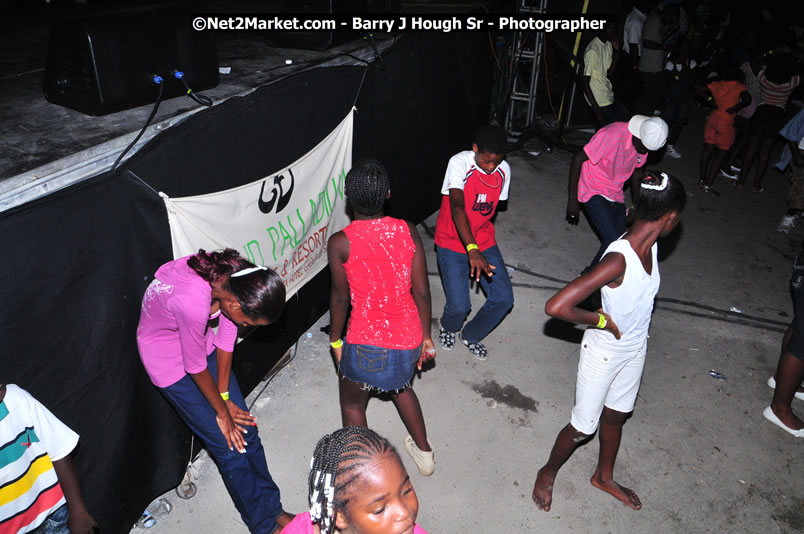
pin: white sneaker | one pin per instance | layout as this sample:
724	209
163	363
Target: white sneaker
672	152
787	224
425	460
731	175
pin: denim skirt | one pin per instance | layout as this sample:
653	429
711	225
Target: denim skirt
378	368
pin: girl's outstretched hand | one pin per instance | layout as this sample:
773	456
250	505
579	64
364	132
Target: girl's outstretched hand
428	353
232	434
240	417
610	325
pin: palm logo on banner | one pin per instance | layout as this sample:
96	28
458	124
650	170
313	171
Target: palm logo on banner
278	193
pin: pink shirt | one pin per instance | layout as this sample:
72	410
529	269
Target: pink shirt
612	160
175	335
380	271
302	524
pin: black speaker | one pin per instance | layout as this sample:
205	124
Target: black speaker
102	64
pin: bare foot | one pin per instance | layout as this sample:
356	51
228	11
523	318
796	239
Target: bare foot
626	495
543	490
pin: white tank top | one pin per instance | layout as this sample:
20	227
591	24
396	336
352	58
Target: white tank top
630	304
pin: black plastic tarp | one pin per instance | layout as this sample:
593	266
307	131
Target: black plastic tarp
75	263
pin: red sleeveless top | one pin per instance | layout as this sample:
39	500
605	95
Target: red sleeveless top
379	271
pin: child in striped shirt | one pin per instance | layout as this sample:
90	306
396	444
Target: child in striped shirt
41	493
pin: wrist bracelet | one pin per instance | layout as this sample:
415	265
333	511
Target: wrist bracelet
472	246
336	344
225	395
602	322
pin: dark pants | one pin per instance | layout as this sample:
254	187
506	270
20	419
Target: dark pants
652	95
455	277
615	112
246	476
608	220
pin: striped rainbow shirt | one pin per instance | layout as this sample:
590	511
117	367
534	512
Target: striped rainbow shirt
31	439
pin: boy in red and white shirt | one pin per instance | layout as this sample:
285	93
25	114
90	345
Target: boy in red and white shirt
475	182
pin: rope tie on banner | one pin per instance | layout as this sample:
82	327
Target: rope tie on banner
354	106
146	184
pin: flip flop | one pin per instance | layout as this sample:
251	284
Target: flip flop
770	416
761	189
772	384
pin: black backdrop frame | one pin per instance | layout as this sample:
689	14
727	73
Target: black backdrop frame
76	262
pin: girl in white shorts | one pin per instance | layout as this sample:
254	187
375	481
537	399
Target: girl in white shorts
613	348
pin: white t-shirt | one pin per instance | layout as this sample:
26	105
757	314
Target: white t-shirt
632	32
461	166
31	439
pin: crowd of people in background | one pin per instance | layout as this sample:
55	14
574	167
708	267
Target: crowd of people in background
740	63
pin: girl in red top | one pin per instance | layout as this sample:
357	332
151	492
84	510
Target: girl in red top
378	265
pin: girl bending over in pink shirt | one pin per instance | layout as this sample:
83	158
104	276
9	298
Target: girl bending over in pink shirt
190	361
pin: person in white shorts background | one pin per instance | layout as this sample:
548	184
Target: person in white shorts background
613	348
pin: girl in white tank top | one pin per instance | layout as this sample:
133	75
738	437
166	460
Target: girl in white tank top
614	345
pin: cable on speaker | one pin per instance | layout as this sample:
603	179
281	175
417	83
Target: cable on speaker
159	82
201	99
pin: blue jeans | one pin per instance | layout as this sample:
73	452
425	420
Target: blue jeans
55	523
454	268
608	221
246	476
378	367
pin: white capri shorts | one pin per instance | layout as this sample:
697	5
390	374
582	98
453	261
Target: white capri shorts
607	378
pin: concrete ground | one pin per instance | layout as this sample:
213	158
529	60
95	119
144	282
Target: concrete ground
697	450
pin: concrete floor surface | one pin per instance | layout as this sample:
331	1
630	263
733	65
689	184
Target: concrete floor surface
697	450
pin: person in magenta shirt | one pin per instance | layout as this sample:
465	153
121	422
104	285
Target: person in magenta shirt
357	485
616	154
186	336
475	183
378	265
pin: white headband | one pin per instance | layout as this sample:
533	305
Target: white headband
249	270
661	187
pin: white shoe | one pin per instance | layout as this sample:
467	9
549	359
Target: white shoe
787	224
770	416
772	383
425	460
672	152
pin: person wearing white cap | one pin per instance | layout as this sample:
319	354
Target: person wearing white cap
616	153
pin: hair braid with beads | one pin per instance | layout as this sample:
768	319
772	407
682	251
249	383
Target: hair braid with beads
367	185
338	461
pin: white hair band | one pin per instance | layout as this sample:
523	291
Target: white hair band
661	187
249	270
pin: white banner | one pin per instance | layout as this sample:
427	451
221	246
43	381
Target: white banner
282	221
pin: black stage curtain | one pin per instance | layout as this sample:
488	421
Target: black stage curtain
76	263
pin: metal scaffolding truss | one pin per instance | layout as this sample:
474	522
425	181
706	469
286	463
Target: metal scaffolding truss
526	58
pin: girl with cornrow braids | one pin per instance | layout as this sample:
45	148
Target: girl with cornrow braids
378	265
357	485
190	362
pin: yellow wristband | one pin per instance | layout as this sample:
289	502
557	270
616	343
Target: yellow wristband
472	246
602	322
336	344
225	395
